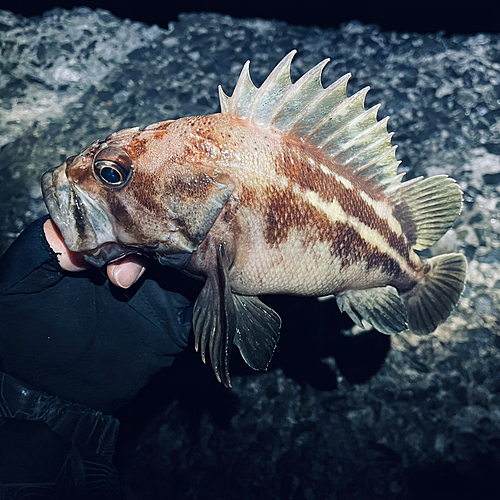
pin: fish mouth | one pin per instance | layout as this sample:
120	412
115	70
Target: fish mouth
106	253
84	225
87	227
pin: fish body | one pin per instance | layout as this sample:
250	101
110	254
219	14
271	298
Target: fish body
291	189
289	200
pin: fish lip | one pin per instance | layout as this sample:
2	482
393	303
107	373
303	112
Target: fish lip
55	185
161	250
112	251
50	195
106	253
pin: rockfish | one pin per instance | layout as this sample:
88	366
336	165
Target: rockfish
291	189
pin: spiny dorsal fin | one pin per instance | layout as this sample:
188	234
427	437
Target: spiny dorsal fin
324	117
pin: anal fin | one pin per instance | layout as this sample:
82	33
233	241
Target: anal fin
382	307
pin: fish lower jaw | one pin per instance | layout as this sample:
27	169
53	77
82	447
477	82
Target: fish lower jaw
106	253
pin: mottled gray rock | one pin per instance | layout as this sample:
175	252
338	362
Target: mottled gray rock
340	414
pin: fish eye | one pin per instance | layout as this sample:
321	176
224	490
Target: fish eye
113	173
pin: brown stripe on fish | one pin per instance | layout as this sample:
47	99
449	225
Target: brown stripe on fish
302	164
352	248
191	188
125	219
149	198
305	170
285	210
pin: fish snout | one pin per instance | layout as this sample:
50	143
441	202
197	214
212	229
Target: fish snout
68	210
55	190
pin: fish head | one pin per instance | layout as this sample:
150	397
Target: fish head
121	196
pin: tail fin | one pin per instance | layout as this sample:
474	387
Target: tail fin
430	302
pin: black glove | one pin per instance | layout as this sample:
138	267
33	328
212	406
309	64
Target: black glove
77	347
75	335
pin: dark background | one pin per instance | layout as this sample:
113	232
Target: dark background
452	17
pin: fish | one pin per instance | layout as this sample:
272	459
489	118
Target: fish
292	188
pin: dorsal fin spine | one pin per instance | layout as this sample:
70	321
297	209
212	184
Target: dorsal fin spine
310	82
274	86
366	157
380	161
324	117
243	94
224	100
345	137
393	180
334	93
339	117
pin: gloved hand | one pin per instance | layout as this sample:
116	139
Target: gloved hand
123	273
78	347
73	334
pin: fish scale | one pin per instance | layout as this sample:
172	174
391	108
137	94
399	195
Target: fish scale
292	189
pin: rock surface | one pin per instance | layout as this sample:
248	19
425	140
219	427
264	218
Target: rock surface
340	414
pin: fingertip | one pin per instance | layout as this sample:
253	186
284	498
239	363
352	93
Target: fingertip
126	272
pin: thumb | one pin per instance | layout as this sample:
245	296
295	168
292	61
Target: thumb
124	273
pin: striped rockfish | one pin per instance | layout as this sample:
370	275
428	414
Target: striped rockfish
291	189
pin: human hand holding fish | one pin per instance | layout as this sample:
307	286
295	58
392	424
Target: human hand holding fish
122	273
73	350
292	188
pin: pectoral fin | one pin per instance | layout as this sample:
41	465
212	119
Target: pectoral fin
214	319
382	307
222	318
